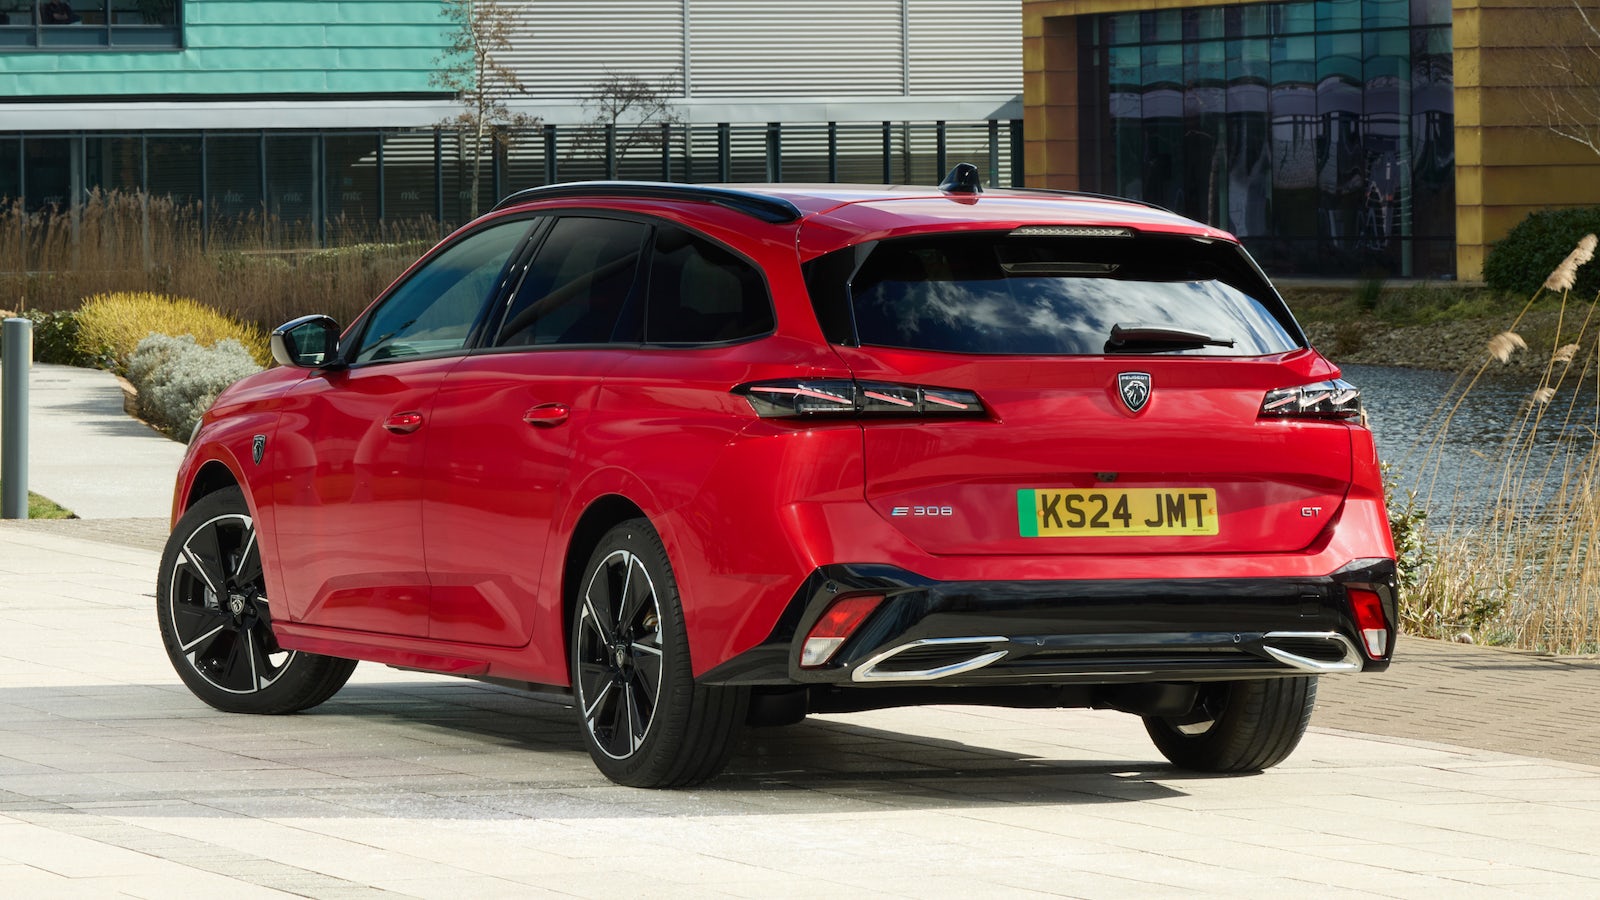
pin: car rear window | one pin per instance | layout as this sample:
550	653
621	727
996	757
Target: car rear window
1007	293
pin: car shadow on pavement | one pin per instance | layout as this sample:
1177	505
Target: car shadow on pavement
834	755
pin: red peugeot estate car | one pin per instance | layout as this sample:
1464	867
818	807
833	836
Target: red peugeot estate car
712	456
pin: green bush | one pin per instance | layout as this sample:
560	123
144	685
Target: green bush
178	379
56	340
1521	261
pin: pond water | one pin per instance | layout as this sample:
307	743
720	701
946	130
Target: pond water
1405	408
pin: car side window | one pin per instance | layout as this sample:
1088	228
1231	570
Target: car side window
701	292
432	313
578	285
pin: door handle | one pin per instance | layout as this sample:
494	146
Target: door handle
547	414
404	423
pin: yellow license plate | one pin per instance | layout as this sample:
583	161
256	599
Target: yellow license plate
1117	512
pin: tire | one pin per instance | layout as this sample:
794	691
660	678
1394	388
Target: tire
1238	726
221	641
644	720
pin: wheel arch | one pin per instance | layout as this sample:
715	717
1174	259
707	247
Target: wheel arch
602	514
213	476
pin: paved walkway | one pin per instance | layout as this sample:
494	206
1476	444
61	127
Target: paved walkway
87	454
115	781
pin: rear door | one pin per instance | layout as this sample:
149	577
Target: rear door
1124	379
501	453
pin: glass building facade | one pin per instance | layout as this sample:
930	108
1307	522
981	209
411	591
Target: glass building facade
1320	133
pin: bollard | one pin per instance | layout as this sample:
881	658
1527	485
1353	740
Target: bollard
16	353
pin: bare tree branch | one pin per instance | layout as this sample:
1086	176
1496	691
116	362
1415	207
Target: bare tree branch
1565	86
637	110
468	67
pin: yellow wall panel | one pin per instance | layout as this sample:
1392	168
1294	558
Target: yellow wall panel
1539	185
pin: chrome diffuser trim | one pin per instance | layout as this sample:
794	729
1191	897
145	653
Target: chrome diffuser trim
1349	661
865	671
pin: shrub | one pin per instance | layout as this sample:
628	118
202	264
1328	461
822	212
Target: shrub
56	340
112	325
178	379
1520	262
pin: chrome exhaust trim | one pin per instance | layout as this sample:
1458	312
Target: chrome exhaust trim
1349	657
867	671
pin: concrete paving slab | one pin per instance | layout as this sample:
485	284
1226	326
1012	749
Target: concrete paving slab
113	779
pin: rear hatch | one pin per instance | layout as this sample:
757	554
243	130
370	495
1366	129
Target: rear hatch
1140	394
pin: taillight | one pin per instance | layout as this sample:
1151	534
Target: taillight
836	624
845	397
1368	609
1335	399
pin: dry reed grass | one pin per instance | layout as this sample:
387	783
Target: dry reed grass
255	268
1515	561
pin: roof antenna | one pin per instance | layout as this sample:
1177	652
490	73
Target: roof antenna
963	179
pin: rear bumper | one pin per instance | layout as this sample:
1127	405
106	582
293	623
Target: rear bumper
997	633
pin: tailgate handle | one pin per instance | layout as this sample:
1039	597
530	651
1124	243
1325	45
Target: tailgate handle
546	415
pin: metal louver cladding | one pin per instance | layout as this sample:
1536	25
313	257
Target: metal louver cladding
820	48
564	48
961	47
561	49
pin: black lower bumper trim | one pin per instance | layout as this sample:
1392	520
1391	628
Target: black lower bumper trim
1065	632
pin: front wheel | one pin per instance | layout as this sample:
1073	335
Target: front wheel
216	622
645	721
1238	726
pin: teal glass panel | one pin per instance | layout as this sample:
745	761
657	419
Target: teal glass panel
1122	29
1385	13
1249	60
1295	18
1163	25
1339	56
1294	60
1249	21
1338	15
1204	24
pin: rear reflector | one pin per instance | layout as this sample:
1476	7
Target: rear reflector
842	397
834	627
1335	399
1368	609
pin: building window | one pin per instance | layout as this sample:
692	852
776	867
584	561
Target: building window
1321	133
56	25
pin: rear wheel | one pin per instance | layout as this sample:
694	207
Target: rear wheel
216	621
1237	726
645	721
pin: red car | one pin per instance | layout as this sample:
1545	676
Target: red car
709	457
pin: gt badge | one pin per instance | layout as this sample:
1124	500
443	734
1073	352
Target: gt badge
1134	387
258	448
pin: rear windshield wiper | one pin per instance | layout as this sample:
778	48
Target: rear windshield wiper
1125	338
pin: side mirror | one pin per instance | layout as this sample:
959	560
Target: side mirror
309	342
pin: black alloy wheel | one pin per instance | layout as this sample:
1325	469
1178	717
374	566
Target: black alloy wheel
216	620
644	720
619	654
